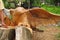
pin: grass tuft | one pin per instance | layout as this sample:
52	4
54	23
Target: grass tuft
52	9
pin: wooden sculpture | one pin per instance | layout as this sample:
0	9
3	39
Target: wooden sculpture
33	18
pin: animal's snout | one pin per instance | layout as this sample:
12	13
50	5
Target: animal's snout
25	25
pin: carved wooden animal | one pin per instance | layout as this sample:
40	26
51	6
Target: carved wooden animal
34	17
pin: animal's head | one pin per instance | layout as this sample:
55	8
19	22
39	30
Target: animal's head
18	15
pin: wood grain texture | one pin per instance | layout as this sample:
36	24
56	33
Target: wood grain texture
7	34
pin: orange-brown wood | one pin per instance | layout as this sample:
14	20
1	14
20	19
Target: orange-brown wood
34	17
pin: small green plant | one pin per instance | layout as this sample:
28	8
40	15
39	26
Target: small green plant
52	9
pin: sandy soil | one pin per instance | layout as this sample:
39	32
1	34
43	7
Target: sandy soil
48	34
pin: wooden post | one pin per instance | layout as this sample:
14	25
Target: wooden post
23	33
7	34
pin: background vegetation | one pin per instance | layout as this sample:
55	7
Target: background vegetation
49	5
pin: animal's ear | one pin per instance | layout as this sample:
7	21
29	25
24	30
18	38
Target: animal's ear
39	12
35	12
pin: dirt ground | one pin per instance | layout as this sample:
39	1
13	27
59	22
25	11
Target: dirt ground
50	33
